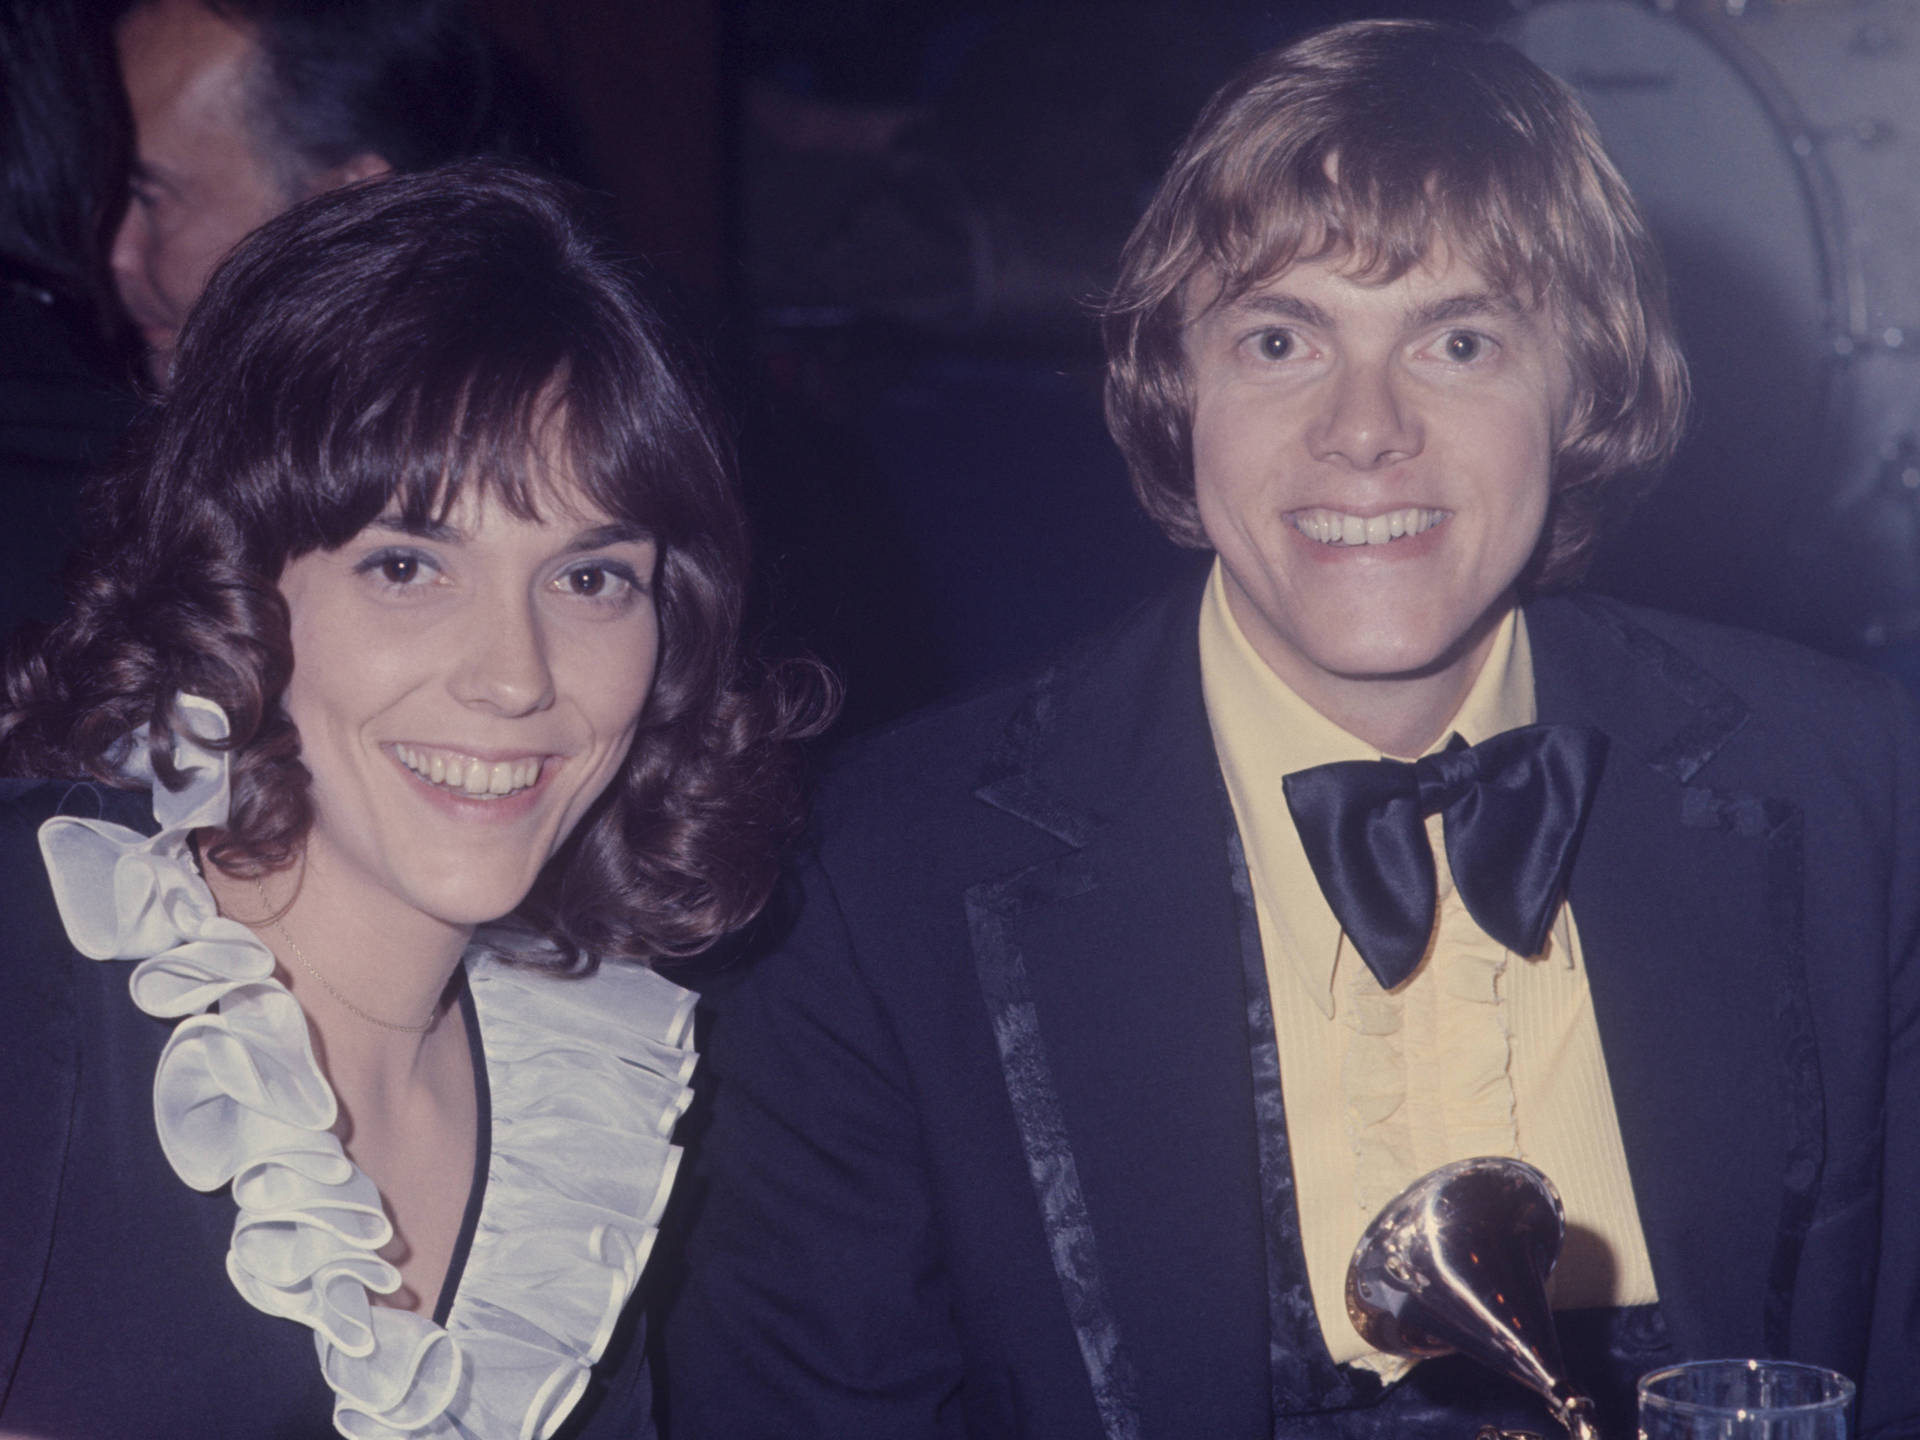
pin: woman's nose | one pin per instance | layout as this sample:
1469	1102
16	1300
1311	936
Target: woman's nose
504	663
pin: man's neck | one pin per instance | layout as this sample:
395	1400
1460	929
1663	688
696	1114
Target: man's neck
1396	718
1400	715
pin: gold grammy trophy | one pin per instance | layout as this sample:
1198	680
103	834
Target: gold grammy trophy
1459	1261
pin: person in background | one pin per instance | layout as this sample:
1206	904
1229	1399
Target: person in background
1119	1001
64	396
399	724
243	107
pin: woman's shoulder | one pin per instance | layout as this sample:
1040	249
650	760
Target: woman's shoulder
41	974
26	803
65	1004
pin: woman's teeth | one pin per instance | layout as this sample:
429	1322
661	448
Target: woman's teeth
468	775
1331	527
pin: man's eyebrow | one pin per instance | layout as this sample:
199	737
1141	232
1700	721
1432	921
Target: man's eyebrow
1278	305
1469	305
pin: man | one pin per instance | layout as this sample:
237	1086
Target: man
1119	1002
243	107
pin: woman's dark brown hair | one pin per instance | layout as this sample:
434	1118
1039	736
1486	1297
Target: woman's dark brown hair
1375	142
383	349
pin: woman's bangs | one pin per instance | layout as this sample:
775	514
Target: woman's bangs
511	435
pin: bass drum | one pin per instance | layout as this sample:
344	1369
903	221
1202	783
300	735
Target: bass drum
1776	149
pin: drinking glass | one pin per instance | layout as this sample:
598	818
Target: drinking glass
1745	1400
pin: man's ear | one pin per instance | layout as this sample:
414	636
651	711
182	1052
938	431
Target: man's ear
363	166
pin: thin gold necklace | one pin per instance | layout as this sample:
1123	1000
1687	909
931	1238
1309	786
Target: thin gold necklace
328	986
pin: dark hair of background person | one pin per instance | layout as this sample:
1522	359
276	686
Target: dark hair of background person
386	348
63	156
419	84
1369	141
65	356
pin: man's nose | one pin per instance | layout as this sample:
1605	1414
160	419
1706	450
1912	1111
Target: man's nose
1366	420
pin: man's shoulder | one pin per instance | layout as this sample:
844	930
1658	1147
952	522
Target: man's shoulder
1101	681
1709	642
1759	667
1036	754
933	747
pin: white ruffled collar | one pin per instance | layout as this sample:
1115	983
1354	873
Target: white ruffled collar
587	1079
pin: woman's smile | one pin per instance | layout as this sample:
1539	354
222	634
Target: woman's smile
470	775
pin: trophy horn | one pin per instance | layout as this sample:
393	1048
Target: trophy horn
1459	1261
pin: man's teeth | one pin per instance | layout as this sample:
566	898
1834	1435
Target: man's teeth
468	775
1331	527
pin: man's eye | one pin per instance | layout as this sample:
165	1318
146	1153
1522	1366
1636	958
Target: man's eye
1462	346
1274	344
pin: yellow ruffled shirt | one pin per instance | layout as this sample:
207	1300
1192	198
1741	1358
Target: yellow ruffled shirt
1481	1052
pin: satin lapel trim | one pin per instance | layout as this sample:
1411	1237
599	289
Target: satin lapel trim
1678	887
1051	1165
1304	1378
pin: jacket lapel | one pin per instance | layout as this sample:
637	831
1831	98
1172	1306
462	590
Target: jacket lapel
1686	896
1115	983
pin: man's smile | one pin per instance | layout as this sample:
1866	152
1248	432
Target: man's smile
1336	527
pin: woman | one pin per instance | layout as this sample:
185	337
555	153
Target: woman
417	614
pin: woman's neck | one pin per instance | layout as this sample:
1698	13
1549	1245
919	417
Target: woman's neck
373	975
371	972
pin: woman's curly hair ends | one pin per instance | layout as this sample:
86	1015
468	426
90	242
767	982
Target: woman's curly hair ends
381	349
1375	142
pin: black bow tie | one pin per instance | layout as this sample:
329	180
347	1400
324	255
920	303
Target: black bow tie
1512	807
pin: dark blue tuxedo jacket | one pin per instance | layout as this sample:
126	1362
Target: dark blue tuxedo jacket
994	1146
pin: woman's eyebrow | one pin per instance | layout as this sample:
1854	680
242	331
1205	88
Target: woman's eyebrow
438	530
615	532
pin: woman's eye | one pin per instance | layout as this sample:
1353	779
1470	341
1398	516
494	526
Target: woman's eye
595	581
1274	344
396	569
1462	346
